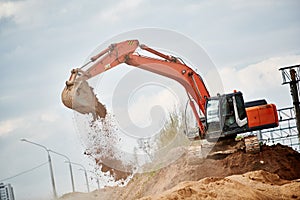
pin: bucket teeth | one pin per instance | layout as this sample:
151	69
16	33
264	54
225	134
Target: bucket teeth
81	98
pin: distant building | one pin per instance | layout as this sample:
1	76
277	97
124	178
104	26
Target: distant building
6	192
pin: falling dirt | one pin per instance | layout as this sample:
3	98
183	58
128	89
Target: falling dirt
270	174
102	147
80	97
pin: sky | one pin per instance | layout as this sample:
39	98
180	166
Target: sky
41	41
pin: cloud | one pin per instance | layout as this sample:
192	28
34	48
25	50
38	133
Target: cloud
22	12
141	105
262	79
8	126
31	123
49	117
119	10
8	9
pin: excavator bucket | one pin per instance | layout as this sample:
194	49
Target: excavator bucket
79	96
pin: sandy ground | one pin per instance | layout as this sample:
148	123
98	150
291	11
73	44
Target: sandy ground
252	185
237	176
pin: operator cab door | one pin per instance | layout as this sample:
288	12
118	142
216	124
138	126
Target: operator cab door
225	115
234	114
213	117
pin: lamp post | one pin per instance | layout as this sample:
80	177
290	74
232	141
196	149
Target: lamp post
98	183
95	177
50	165
70	167
85	174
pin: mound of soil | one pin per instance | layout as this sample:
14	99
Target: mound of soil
252	185
278	159
187	177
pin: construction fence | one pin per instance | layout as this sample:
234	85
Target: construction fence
286	133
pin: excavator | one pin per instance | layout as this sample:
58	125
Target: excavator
218	117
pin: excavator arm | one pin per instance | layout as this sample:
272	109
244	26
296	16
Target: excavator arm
225	115
76	90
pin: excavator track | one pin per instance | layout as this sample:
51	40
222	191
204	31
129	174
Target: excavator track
226	146
252	144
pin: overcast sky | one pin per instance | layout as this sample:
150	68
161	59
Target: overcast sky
41	41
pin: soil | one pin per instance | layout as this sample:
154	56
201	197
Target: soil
252	185
271	174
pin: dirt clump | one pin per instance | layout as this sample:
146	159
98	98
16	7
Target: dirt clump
278	159
117	174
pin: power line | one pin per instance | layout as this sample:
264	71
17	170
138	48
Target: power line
24	172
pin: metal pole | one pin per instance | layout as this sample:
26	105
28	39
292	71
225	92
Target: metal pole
294	92
98	183
70	167
50	166
52	176
86	179
85	174
96	177
72	178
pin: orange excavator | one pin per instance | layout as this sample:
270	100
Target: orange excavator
221	116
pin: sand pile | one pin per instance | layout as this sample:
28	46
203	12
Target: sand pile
252	185
190	177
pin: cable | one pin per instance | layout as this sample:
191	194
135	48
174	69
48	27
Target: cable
181	60
24	172
185	118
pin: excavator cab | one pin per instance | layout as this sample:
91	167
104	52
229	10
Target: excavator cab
225	116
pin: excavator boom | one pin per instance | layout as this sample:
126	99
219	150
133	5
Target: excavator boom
124	52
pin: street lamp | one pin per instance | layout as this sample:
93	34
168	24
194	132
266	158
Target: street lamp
85	174
96	177
50	165
98	183
70	167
